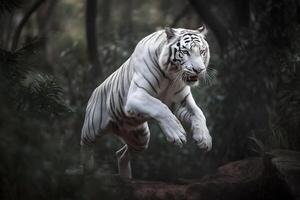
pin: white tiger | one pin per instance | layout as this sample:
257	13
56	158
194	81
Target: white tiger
154	83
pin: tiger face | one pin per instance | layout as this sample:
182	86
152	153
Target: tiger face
185	55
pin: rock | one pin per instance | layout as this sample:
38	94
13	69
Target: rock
288	164
158	190
246	179
275	176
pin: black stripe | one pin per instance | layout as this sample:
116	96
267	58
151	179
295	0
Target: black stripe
149	82
170	54
89	111
101	109
130	120
121	103
154	62
180	117
175	59
163	73
180	90
158	72
112	105
190	34
122	77
112	80
120	100
170	49
156	65
103	98
173	53
158	37
152	72
121	110
149	37
85	142
124	114
118	80
195	39
184	99
111	102
114	115
128	75
156	54
93	114
118	114
141	87
185	115
87	137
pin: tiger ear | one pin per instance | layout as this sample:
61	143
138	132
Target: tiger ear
170	32
202	29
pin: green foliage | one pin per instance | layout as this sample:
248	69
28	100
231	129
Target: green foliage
30	91
260	83
42	95
251	103
29	148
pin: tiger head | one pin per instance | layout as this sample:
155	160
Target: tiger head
185	54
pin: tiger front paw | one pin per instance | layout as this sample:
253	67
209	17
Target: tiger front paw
174	132
202	138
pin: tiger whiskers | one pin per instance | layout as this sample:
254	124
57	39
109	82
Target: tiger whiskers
209	76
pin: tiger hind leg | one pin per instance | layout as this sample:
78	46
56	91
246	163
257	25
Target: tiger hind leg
87	162
124	166
136	141
95	120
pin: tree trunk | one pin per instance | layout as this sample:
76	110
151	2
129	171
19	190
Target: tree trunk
91	38
217	27
26	17
181	15
105	8
44	15
126	27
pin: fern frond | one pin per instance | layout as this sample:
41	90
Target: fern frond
43	95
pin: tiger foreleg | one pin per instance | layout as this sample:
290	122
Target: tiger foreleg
158	111
189	113
124	166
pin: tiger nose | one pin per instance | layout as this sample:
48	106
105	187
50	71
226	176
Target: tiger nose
197	70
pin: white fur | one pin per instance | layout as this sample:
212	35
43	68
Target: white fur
144	101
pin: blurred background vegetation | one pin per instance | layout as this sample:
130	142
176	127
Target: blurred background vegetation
54	53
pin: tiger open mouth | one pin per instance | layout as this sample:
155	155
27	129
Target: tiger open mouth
192	78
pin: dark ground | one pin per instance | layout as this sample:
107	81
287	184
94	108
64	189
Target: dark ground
275	176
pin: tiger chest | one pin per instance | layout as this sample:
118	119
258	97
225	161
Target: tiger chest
166	95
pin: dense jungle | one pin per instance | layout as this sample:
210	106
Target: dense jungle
54	53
